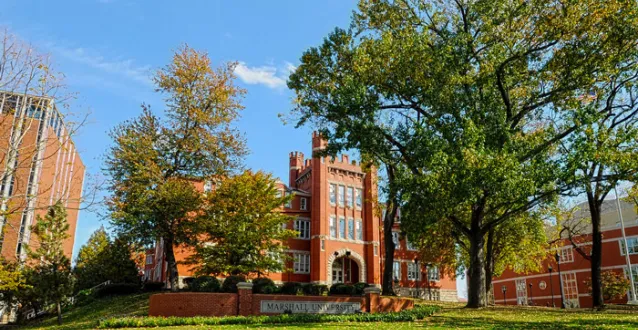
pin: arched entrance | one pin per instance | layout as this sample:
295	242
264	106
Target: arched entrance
345	266
345	270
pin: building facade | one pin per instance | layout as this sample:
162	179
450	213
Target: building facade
340	232
40	166
548	286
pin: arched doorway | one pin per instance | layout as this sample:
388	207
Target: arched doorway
345	270
348	266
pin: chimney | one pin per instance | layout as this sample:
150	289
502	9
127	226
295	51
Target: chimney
296	163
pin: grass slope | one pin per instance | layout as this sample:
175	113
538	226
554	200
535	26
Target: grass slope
86	317
453	316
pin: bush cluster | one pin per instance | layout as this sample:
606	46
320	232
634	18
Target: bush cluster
117	289
308	289
260	285
347	289
230	283
152	286
418	313
204	284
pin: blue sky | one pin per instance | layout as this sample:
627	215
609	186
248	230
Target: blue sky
107	49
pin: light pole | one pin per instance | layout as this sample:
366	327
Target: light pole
531	295
560	281
551	285
630	300
504	289
427	279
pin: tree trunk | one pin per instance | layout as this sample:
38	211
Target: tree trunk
596	252
59	308
388	223
489	264
172	264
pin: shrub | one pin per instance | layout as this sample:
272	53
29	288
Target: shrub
117	289
260	283
152	286
342	289
291	287
418	313
270	289
204	284
319	290
84	297
230	283
358	288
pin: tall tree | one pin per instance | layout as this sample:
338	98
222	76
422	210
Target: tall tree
473	96
51	278
604	150
242	229
153	161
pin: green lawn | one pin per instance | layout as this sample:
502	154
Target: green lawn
453	316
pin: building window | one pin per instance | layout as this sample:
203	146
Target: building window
303	203
303	227
376	250
521	292
350	197
433	273
342	191
351	228
566	254
395	240
149	259
333	194
632	245
342	227
208	186
333	226
358	199
570	290
413	271
302	263
634	269
359	225
396	271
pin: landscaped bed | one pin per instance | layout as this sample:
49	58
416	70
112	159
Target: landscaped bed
415	314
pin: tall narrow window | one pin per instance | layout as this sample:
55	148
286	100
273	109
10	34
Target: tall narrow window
395	239
350	197
359	225
342	227
302	263
433	273
342	191
413	271
396	271
333	194
350	228
303	203
333	226
359	192
632	245
303	227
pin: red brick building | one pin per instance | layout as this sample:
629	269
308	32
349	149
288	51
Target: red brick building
340	238
41	167
538	288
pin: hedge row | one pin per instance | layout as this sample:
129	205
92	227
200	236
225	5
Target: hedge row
418	313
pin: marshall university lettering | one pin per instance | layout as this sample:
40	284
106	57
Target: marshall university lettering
313	307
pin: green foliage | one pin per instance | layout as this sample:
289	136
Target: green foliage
291	288
358	288
270	289
117	289
230	283
470	99
102	259
154	159
205	284
50	277
342	289
153	286
418	313
240	227
260	283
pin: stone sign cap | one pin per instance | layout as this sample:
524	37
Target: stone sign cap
244	286
372	289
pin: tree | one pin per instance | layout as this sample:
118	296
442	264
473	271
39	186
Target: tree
604	151
51	273
102	259
242	229
393	199
154	162
12	281
472	95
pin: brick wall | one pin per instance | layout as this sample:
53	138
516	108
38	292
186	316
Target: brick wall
391	304
193	304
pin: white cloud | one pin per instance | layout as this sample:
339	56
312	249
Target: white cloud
268	75
123	67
